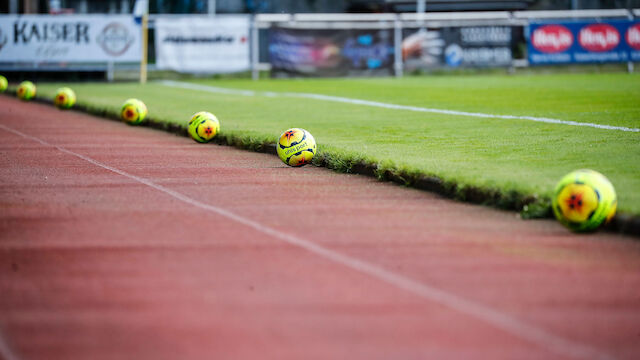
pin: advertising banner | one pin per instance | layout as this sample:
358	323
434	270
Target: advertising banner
584	42
203	44
335	52
472	46
69	38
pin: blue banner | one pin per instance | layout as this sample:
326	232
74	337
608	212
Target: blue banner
584	42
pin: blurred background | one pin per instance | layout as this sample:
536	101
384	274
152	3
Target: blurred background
301	6
311	38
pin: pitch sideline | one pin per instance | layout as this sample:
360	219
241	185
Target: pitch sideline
513	326
219	90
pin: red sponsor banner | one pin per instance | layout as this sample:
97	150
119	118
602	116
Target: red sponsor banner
584	42
599	37
633	36
552	39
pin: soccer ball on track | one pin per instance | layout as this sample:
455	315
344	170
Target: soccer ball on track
203	126
583	200
26	90
296	147
65	98
133	111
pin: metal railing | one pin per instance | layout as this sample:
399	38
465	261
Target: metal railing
412	20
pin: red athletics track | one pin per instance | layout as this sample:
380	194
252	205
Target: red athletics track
119	242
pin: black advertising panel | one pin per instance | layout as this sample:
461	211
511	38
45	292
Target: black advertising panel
453	47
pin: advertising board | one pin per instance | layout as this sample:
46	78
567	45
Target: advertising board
468	46
336	52
203	44
69	38
584	42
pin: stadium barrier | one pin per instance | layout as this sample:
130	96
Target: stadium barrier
202	44
420	40
375	43
68	43
575	42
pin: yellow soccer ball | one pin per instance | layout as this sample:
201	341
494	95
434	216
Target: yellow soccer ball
296	147
203	126
65	98
26	90
3	83
133	111
584	200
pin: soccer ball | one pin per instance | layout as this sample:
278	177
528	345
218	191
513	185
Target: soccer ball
296	147
26	90
65	98
133	111
203	126
584	200
3	83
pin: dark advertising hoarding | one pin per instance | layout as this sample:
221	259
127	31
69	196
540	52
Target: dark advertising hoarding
453	47
335	52
584	42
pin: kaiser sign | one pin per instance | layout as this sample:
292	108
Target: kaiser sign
69	38
580	42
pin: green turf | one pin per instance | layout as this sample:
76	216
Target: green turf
510	155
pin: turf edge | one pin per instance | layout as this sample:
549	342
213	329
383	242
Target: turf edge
528	206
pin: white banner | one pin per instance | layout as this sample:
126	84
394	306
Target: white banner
203	44
69	38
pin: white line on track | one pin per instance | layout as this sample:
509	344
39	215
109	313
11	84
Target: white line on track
219	90
5	351
523	330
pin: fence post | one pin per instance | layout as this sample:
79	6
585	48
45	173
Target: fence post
397	46
255	48
110	71
145	48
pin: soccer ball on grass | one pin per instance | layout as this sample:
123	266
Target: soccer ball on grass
26	90
65	98
583	200
133	111
203	126
3	83
296	147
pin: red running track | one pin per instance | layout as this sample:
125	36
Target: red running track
119	242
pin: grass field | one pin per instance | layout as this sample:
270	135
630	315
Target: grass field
505	155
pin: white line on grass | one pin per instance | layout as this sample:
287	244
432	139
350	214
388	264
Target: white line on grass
219	90
523	330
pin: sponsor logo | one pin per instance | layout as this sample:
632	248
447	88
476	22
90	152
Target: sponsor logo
633	36
453	55
218	39
552	39
486	35
115	39
25	32
599	37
